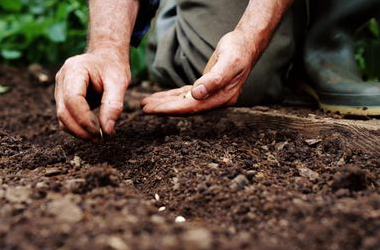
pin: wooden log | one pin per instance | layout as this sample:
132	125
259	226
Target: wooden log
357	134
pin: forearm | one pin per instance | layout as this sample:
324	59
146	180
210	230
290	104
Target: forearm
111	24
260	21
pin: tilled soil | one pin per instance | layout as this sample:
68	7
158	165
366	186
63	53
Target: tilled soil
202	182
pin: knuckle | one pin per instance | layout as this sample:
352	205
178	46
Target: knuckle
82	122
235	61
61	114
74	61
69	61
58	76
61	126
233	101
68	100
217	82
115	106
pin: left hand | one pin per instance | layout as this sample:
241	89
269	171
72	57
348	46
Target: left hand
221	83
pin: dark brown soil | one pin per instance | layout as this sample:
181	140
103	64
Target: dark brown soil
237	186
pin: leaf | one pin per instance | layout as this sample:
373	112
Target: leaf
11	5
58	32
374	27
63	11
4	89
10	54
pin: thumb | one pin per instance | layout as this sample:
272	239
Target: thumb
111	104
218	73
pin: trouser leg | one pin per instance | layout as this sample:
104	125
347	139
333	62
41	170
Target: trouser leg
183	48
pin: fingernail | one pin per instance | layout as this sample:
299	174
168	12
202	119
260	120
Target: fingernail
93	126
110	126
200	92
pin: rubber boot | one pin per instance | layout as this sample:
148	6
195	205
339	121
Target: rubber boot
329	58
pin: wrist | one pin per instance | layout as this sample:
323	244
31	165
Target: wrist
115	47
112	55
251	44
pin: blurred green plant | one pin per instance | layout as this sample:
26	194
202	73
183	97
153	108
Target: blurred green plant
47	32
3	89
41	31
368	50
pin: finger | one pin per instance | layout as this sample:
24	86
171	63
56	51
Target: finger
112	104
180	105
185	104
69	125
173	105
221	73
211	62
75	88
153	103
162	94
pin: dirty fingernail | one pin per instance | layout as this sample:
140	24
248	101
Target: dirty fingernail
200	92
110	126
94	126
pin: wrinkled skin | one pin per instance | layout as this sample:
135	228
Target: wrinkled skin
107	74
220	85
105	68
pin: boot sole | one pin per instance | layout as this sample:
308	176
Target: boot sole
342	109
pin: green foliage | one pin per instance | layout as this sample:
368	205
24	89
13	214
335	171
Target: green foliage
48	32
42	31
3	89
368	50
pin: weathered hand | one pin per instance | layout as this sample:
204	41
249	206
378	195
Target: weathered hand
220	85
105	72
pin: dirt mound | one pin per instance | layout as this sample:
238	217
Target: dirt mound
202	182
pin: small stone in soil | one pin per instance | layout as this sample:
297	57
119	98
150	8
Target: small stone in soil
65	210
157	219
197	239
260	175
280	146
251	174
312	142
239	182
308	173
49	172
17	194
213	165
41	185
201	187
77	162
117	243
129	183
74	183
179	219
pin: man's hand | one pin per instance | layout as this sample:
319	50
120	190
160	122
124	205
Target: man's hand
220	85
102	72
105	72
228	67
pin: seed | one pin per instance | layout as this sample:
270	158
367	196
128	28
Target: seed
187	95
101	133
157	197
161	209
180	219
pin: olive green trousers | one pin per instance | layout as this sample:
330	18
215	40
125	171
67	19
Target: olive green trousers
186	33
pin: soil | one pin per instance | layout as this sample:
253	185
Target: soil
200	182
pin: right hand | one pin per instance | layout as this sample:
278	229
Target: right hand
105	71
